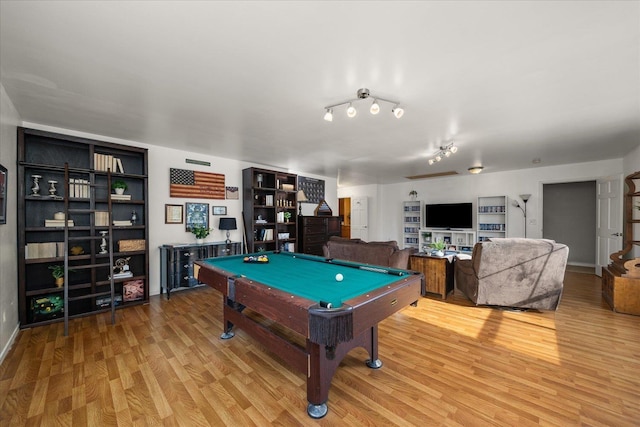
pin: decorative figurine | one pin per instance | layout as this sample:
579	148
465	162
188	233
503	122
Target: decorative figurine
52	188
103	244
134	217
35	190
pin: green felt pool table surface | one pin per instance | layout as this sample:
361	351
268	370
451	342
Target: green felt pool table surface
310	276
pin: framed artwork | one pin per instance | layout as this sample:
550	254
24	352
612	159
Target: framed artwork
232	193
3	195
196	214
313	189
219	210
173	214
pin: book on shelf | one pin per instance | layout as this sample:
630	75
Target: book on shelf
104	162
102	218
57	223
123	275
123	223
120	196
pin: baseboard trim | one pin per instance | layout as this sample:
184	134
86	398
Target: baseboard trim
7	347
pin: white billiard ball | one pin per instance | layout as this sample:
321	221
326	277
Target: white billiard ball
339	277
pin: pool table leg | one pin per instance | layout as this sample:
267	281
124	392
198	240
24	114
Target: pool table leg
228	325
323	362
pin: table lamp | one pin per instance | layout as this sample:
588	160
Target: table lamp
228	224
301	197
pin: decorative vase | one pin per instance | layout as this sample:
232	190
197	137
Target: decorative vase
119	191
59	282
439	253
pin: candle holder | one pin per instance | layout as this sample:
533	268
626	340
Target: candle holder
103	243
52	188
35	189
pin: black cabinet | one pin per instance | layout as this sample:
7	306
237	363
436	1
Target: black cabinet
314	231
177	262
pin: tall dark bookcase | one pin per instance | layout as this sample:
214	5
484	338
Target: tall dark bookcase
268	196
85	198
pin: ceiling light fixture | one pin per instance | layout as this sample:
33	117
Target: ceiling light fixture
475	169
363	93
351	111
444	151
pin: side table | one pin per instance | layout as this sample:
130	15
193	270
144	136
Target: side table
177	260
437	271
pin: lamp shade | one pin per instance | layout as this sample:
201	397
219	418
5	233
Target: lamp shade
228	224
301	197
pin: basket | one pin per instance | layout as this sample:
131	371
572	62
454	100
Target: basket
131	245
287	187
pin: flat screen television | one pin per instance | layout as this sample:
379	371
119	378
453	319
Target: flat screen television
449	215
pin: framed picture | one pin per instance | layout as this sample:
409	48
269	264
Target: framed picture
3	195
218	210
173	214
196	214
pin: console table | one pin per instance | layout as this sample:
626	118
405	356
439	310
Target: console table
176	262
437	271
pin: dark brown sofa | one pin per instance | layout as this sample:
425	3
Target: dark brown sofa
514	272
386	254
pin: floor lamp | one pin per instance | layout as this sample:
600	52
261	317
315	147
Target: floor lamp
525	198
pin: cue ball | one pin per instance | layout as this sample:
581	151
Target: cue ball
339	277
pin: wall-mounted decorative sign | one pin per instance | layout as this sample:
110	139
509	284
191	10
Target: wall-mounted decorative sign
197	214
313	188
218	210
195	184
232	193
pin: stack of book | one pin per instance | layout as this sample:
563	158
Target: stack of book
120	196
57	223
123	223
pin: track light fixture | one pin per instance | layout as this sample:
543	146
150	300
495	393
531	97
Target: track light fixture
363	93
445	151
475	169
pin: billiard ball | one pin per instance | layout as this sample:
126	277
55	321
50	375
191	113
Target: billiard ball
339	277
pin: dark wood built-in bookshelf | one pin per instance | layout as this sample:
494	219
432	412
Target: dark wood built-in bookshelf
83	195
267	196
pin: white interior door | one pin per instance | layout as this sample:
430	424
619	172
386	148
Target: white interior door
359	218
609	221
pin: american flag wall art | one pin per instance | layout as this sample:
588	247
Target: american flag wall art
195	184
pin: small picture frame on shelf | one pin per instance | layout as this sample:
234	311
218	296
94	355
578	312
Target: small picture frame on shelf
218	210
173	214
196	214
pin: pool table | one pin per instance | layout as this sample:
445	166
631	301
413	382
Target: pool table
302	293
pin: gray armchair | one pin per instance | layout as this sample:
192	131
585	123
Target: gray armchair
514	272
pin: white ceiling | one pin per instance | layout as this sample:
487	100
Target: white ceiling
508	81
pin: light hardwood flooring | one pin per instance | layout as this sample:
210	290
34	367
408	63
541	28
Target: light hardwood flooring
445	363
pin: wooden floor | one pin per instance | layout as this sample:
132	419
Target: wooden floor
445	363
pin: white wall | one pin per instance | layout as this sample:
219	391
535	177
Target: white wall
9	120
161	159
386	219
